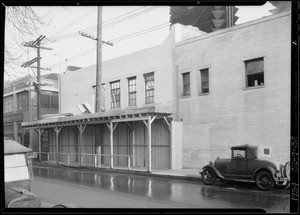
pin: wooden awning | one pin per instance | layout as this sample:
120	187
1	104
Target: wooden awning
136	114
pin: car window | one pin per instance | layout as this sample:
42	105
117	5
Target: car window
15	168
239	153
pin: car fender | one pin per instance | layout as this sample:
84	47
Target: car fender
265	168
219	175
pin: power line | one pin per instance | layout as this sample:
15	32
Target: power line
73	23
93	28
116	40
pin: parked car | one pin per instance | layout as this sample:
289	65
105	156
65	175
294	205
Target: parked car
18	175
248	163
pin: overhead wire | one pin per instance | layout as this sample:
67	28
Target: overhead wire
73	23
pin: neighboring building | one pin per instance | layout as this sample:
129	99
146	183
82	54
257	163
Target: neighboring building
212	90
19	104
239	82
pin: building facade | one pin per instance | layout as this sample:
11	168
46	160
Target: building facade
19	105
239	87
212	90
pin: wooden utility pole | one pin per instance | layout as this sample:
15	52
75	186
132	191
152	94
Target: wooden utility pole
37	45
99	59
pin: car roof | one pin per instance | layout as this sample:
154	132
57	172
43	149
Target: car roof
245	146
13	147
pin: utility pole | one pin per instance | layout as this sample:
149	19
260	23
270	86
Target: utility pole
37	45
99	58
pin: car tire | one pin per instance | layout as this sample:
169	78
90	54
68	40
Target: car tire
264	181
209	176
287	170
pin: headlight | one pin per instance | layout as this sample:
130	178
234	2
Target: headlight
211	163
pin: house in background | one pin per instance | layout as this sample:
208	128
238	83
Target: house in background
196	94
19	105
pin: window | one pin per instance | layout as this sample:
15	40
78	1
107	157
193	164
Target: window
149	86
8	104
239	153
254	72
23	100
204	81
49	99
186	84
132	91
115	94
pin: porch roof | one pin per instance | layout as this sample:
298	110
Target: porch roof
136	114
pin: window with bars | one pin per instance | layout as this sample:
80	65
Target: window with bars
132	91
23	100
8	104
49	99
149	88
204	81
115	94
254	72
186	84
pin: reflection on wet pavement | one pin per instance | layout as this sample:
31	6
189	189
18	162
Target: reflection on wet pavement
189	192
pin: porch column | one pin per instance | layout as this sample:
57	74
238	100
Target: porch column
149	144
148	125
81	129
111	127
40	132
57	131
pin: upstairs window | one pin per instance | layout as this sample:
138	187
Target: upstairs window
186	84
132	91
23	100
149	88
49	99
254	72
8	104
204	81
115	94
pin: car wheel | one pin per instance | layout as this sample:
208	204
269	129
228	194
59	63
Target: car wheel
209	176
264	181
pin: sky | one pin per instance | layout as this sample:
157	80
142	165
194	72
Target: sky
129	28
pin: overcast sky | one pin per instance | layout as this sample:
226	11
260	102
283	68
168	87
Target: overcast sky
130	28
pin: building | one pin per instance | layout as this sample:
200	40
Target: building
201	92
19	104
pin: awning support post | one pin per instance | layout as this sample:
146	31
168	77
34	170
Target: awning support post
57	131
81	130
40	132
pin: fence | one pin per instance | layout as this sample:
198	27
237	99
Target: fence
83	159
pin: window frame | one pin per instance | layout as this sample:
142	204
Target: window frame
201	89
149	93
116	103
132	91
257	74
186	85
8	104
22	100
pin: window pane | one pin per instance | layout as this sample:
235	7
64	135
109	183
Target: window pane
255	66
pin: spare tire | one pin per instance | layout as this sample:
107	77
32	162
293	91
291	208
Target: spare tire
287	169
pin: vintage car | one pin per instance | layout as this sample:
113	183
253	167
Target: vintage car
248	163
18	175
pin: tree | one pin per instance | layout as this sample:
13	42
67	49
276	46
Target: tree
22	24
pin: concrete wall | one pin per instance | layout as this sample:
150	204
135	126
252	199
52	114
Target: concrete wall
231	114
77	86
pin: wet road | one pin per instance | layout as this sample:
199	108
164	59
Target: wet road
87	189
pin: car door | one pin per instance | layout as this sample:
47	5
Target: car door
239	163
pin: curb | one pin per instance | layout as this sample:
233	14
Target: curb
123	171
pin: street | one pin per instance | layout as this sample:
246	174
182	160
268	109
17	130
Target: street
79	188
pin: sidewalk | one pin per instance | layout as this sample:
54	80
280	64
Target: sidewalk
185	174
